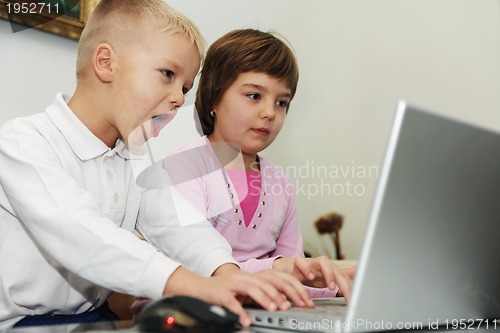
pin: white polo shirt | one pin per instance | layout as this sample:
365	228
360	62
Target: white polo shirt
68	206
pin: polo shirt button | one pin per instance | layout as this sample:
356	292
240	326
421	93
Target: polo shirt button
116	197
110	174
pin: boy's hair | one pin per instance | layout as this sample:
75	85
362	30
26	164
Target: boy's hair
241	51
121	21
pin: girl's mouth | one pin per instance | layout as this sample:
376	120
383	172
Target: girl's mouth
261	131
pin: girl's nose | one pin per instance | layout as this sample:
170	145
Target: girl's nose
268	111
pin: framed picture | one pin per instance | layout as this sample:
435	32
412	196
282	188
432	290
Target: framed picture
62	17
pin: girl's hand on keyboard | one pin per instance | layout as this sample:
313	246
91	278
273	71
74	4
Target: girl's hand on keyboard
318	272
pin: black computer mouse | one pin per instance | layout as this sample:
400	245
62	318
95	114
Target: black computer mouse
185	314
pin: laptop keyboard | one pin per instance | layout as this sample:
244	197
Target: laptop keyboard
326	308
330	309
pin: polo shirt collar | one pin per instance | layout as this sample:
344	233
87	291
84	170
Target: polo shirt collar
83	142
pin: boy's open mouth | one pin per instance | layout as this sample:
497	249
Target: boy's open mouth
161	120
160	117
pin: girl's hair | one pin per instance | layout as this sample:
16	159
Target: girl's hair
121	22
241	51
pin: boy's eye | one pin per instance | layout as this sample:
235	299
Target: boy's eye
168	73
254	96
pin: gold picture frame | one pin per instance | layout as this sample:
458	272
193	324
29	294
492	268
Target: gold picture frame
35	15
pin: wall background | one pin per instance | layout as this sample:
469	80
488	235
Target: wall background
357	59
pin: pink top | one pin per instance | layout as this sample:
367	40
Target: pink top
270	229
243	180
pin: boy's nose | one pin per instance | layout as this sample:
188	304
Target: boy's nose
176	98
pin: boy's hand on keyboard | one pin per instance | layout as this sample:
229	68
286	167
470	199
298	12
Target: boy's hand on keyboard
269	289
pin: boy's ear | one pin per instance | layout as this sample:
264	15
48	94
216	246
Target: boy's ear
103	62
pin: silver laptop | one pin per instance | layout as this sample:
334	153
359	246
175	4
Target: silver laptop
429	257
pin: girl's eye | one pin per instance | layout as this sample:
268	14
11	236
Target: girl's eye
185	90
168	73
254	96
282	104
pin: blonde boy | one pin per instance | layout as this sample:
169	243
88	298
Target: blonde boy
68	199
